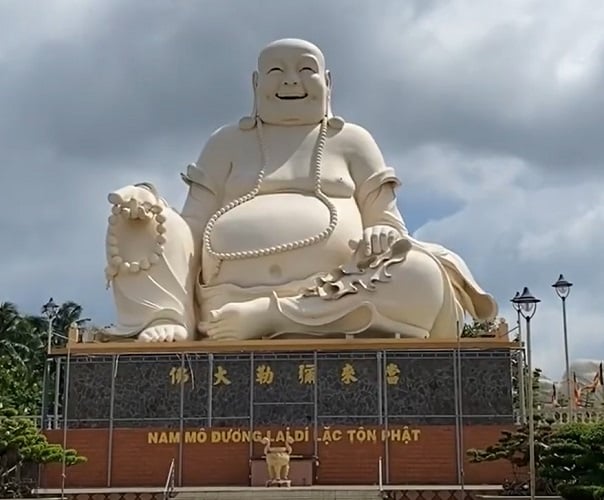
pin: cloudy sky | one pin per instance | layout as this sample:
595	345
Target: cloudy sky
492	113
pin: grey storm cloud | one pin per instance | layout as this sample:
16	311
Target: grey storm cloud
141	71
144	70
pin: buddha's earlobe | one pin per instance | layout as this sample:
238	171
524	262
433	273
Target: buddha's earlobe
334	122
250	122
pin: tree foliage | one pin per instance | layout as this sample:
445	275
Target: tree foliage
22	358
23	340
477	329
576	455
513	446
565	455
23	445
20	387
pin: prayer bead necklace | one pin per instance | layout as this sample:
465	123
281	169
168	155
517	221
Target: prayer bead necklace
117	263
283	247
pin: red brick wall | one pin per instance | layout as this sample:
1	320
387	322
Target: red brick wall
91	443
429	460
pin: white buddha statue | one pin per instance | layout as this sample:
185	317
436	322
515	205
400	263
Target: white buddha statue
290	228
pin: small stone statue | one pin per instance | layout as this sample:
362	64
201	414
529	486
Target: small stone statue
501	329
277	462
73	333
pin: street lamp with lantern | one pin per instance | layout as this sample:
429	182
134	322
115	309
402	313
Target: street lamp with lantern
562	287
521	382
526	305
49	311
516	307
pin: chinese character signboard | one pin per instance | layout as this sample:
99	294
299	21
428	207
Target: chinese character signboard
291	389
196	389
283	389
231	390
348	389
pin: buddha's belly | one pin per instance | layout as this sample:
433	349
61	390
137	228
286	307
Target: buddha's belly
273	219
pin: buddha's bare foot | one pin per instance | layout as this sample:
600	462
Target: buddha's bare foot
240	320
163	333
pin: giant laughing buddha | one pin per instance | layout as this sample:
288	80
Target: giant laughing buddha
290	228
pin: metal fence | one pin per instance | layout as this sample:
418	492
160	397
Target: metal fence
297	389
390	389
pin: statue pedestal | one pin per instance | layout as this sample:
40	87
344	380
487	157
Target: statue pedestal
349	405
278	483
302	471
349	344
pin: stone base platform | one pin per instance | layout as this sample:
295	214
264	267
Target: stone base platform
352	407
392	492
353	344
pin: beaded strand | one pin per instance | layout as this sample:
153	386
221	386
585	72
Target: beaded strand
117	263
283	247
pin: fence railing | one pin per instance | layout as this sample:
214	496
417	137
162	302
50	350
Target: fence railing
563	415
169	486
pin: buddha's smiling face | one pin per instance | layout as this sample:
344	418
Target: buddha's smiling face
291	84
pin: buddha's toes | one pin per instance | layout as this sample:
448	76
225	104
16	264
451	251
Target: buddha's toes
240	320
163	333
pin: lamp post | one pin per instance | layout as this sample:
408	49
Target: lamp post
521	383
527	306
49	311
65	406
562	288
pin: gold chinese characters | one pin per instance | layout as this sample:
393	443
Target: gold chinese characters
220	376
348	374
306	374
264	375
179	375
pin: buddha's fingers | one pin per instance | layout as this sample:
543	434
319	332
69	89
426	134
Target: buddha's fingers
134	194
121	196
135	203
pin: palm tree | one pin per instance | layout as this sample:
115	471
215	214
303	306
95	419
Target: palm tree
23	340
21	360
69	312
66	314
16	339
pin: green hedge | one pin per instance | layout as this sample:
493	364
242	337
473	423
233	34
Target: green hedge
574	492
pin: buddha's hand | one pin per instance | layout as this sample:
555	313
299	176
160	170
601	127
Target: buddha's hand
139	202
378	239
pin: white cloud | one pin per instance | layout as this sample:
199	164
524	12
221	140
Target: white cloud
25	25
517	78
513	235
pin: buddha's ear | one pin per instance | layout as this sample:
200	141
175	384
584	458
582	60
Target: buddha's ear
334	122
249	122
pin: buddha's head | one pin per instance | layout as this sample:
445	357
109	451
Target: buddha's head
291	84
